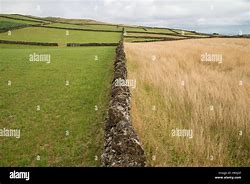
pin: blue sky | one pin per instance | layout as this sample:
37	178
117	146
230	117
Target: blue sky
223	16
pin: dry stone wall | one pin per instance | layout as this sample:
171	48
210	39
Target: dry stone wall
122	145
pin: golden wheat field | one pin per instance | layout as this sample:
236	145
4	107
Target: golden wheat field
191	112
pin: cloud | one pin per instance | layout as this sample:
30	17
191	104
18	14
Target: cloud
189	14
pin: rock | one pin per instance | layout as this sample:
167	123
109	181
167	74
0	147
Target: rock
122	147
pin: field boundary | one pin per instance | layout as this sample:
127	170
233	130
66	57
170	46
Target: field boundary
28	43
144	41
35	18
14	18
84	24
91	44
13	28
149	37
180	39
121	145
167	34
76	29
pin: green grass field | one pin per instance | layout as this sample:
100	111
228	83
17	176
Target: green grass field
153	35
136	29
72	21
38	34
190	33
149	30
72	91
8	25
141	39
155	30
23	17
18	21
94	27
62	108
152	32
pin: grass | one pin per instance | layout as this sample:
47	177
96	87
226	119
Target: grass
63	108
159	30
105	27
3	19
189	33
162	30
35	34
72	21
154	35
94	27
149	30
141	39
8	25
16	46
136	29
23	17
71	109
216	133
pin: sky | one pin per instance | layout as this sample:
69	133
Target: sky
208	16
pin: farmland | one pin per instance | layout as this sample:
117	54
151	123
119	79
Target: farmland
38	34
59	106
18	21
7	25
177	91
87	26
58	96
22	18
142	39
62	108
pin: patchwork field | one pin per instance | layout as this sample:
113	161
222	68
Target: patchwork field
17	21
153	35
21	17
87	26
142	39
149	30
72	21
178	92
58	96
9	25
38	34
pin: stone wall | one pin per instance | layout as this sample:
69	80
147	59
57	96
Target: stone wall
28	43
76	29
122	147
90	44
